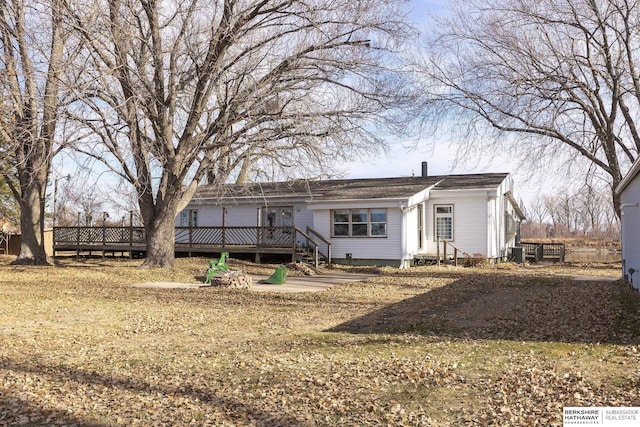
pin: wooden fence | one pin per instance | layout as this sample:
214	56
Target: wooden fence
537	251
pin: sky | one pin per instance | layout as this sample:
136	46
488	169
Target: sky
404	157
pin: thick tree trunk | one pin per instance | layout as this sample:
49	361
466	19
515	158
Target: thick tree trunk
32	250
160	241
616	198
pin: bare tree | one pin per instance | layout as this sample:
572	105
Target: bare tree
33	53
584	211
9	210
180	89
558	76
80	205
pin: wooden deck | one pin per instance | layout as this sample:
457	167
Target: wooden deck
188	240
536	251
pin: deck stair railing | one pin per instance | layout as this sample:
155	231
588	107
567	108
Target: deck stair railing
310	249
456	251
326	254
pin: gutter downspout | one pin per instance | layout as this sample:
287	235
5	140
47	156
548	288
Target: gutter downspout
403	236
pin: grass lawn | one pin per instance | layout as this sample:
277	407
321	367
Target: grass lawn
427	346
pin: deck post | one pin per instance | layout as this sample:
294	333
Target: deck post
78	234
130	234
444	251
455	257
190	235
295	248
315	256
258	236
438	252
104	233
224	233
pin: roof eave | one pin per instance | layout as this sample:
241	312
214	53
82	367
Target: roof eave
382	199
516	205
633	172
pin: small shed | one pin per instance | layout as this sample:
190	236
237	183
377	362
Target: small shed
629	192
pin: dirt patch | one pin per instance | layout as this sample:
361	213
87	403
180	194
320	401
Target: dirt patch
481	309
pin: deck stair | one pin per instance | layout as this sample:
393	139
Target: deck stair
304	254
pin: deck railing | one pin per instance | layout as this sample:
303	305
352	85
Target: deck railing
280	237
98	235
267	237
537	251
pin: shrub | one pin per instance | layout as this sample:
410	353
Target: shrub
474	261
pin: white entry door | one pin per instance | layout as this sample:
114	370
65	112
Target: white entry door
278	217
275	217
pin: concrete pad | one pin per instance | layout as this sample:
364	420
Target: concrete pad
308	283
168	285
293	284
593	279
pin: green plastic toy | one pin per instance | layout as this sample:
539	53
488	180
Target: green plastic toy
278	277
217	266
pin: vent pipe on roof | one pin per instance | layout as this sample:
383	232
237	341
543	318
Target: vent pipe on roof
424	169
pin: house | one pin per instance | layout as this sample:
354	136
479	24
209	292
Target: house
376	221
629	192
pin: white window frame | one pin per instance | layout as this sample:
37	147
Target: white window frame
189	218
438	215
369	223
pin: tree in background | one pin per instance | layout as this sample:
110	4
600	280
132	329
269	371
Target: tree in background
587	212
9	209
551	79
176	90
34	55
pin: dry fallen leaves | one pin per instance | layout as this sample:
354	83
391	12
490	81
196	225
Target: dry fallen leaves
421	347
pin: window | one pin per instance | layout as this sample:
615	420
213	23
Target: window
359	223
443	222
341	222
189	218
378	222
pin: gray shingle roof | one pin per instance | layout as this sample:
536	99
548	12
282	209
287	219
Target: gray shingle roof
350	189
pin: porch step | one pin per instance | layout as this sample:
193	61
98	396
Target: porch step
305	257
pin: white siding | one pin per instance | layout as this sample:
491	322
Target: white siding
302	217
411	232
469	223
245	215
630	221
367	248
494	220
240	216
209	216
502	208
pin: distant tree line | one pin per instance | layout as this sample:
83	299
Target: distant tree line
587	212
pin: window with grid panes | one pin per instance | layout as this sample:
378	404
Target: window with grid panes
359	223
443	222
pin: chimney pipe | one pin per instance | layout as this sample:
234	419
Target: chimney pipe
424	169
